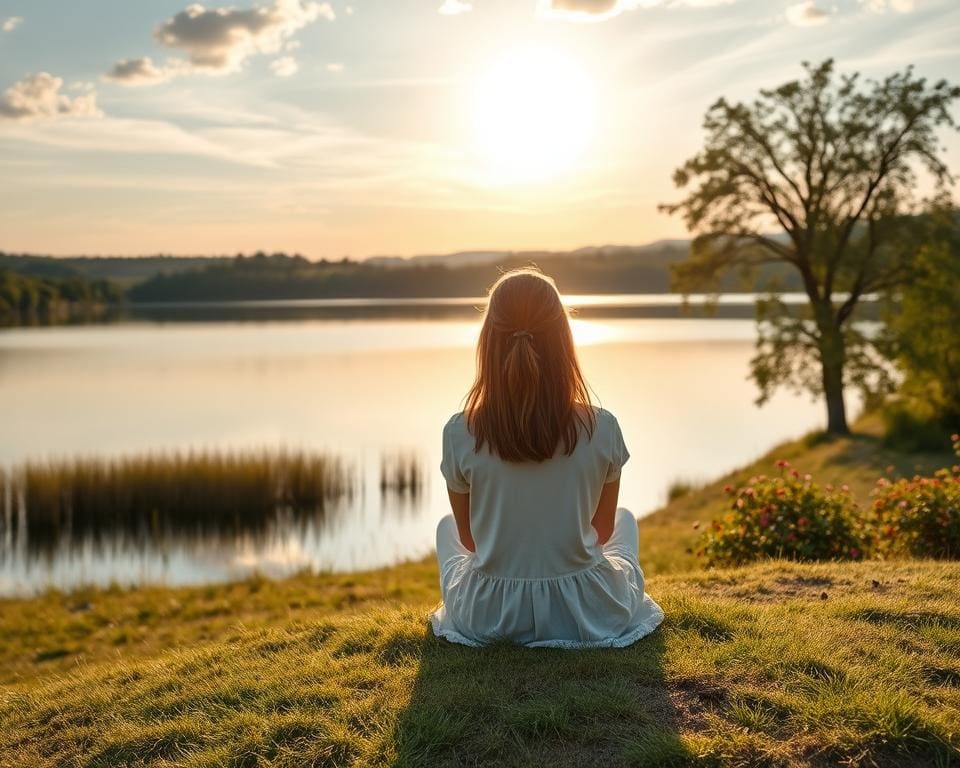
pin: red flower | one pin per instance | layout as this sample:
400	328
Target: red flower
783	463
802	522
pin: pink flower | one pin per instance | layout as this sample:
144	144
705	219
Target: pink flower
764	519
955	438
783	463
802	522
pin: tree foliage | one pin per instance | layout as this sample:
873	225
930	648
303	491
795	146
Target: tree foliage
923	327
830	166
28	298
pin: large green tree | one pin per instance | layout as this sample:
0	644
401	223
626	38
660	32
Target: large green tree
820	175
923	326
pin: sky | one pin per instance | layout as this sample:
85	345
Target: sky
373	127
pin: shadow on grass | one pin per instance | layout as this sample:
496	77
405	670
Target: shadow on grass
869	451
505	705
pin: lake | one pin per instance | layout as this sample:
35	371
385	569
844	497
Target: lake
362	380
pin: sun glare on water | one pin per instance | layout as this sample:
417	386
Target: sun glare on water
533	115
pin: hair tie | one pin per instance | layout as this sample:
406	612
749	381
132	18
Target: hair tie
520	334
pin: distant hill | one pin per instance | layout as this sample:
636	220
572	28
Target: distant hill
605	269
474	258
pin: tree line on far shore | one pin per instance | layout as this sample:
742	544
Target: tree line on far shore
30	298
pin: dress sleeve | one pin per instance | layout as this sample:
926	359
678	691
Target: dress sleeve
450	465
618	454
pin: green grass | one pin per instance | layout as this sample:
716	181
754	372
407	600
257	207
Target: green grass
776	664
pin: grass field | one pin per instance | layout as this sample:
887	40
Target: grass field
775	664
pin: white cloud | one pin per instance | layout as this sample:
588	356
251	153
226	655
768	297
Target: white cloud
143	71
38	97
335	66
880	6
217	41
598	10
454	7
285	66
10	23
349	10
807	14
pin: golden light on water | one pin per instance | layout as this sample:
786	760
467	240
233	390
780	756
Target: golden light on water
533	114
586	332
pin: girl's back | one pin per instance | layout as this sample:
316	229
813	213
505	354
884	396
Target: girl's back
536	550
533	520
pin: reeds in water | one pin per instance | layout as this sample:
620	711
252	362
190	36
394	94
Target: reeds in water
197	493
401	473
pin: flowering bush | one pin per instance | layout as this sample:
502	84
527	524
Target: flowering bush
786	516
919	517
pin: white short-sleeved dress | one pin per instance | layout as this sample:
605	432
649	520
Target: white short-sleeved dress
538	576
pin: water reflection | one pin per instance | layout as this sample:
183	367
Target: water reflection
133	526
362	390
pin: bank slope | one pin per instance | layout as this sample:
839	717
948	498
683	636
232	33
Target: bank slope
776	664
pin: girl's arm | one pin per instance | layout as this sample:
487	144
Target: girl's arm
606	511
460	503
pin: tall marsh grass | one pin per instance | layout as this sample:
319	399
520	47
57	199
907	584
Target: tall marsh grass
199	493
402	474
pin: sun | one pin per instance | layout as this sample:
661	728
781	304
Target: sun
533	114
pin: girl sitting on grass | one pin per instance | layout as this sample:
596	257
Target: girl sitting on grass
536	551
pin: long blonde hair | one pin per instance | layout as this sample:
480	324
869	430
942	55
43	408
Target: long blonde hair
529	394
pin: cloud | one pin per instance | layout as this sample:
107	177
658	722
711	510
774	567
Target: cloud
880	6
143	71
10	23
598	10
807	14
38	97
454	7
217	41
285	66
335	67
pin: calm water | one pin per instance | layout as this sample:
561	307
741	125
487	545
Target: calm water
363	386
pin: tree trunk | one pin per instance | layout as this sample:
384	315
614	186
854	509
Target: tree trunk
832	359
836	407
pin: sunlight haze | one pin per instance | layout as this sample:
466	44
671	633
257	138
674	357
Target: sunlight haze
367	127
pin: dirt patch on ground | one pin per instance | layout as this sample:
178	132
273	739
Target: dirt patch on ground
778	589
